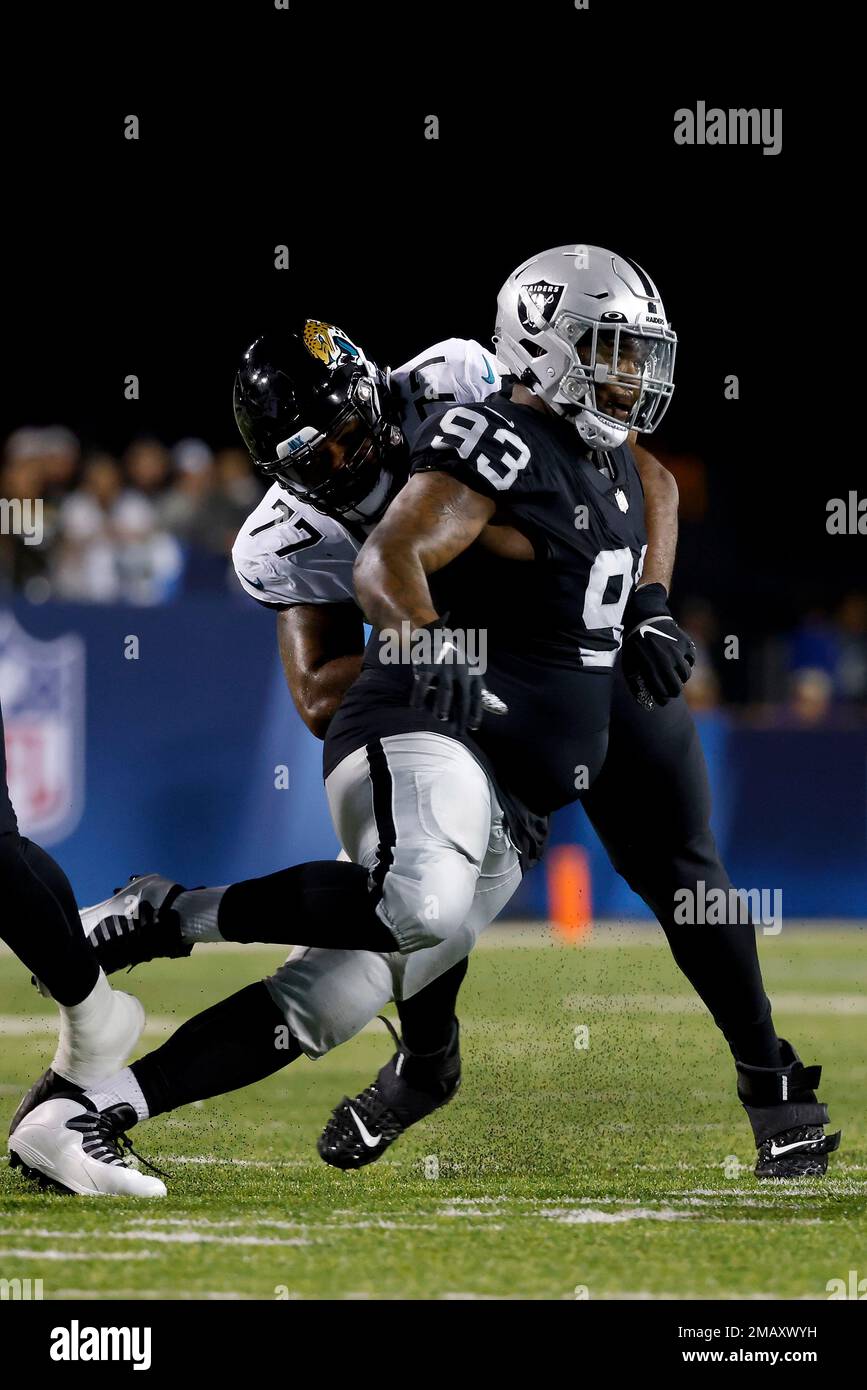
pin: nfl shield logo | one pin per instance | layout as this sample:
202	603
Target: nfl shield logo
42	694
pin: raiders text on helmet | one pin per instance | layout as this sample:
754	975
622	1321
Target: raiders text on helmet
579	318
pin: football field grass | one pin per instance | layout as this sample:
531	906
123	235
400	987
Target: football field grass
593	1149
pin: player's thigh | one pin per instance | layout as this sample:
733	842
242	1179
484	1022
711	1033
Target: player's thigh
416	810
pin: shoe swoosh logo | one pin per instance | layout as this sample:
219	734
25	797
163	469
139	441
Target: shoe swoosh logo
648	627
255	583
787	1148
370	1140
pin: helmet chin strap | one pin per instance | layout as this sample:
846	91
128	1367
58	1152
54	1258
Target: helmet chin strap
600	431
597	430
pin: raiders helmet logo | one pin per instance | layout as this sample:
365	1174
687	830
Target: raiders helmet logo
537	303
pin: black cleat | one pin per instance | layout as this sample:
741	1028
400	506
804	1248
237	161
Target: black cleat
408	1088
136	924
801	1152
786	1118
48	1085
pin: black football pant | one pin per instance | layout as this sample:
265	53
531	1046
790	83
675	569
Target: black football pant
650	806
39	920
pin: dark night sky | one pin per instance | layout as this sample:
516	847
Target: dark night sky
307	128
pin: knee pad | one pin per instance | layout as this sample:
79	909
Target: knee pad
426	902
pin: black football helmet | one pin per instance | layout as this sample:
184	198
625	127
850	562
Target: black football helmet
317	417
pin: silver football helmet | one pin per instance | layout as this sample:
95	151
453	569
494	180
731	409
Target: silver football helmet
585	329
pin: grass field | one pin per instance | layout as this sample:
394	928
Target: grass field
609	1168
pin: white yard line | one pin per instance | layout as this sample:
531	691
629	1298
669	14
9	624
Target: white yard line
795	1003
38	1025
92	1256
157	1237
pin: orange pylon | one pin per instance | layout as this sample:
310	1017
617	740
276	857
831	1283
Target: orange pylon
570	907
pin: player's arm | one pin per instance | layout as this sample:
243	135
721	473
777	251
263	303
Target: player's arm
321	647
660	513
430	522
658	656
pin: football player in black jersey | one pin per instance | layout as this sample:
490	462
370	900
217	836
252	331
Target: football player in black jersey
556	447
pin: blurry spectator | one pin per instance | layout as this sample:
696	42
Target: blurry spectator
702	690
852	665
111	547
60	455
83	563
220	503
22	477
148	559
811	696
815	644
194	479
147	466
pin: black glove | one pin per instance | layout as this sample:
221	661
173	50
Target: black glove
450	685
658	656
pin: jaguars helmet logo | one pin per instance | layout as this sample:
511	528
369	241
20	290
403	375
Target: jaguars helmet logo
326	343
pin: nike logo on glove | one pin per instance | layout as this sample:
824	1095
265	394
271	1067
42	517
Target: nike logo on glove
787	1148
490	377
648	627
370	1140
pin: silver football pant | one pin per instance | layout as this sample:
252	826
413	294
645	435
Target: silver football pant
421	815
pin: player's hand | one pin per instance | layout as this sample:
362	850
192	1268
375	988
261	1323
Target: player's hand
450	684
658	656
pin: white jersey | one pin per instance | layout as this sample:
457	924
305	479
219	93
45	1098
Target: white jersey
288	552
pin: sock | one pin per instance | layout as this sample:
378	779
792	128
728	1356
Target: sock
198	909
236	1042
427	1019
40	921
122	1088
97	1034
323	903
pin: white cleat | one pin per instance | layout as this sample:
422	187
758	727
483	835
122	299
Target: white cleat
96	1038
149	889
70	1144
136	924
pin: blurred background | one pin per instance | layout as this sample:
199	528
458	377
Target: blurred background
155	257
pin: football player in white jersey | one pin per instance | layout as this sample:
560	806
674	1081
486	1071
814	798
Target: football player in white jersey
296	555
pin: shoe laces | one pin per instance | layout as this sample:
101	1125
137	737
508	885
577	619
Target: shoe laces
103	1140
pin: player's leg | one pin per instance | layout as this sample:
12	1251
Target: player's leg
651	808
424	1072
390	809
98	1025
40	924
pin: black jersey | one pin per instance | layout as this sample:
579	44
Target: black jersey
586	525
8	822
551	626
